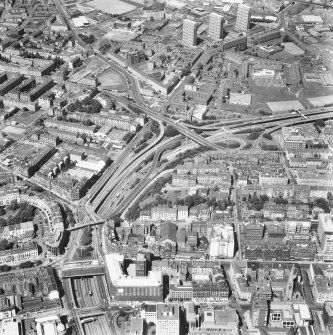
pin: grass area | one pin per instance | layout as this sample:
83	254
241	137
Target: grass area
261	95
111	78
9	212
111	6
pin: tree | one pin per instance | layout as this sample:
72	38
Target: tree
155	127
95	106
86	237
170	131
280	201
78	104
322	203
117	220
321	123
5	268
13	205
285	38
87	123
3	222
267	136
12	220
70	108
253	136
26	265
133	212
128	137
2	211
3	244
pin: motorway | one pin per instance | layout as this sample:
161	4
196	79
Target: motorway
102	200
123	162
120	183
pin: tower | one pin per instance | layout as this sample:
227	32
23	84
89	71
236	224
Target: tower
243	17
190	29
140	265
215	29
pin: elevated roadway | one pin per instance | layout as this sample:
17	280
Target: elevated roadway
102	181
235	124
86	271
118	167
108	209
83	225
160	117
116	186
302	121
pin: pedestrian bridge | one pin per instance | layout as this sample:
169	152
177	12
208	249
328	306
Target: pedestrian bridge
81	226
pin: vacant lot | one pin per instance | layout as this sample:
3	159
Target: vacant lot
111	6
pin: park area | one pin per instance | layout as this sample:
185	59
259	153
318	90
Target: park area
111	79
111	6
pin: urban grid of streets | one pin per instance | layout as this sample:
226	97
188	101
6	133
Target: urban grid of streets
230	292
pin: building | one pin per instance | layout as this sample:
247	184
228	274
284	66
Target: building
325	236
181	292
69	126
259	311
167	320
163	213
222	242
293	138
180	180
128	288
215	28
7	177
28	167
140	266
190	31
281	315
21	230
135	326
182	212
217	322
211	292
243	17
253	231
19	255
273	178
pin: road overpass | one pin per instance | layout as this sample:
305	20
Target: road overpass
83	271
302	121
88	224
160	117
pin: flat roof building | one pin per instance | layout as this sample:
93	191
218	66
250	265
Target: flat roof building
167	322
131	288
243	17
190	31
215	28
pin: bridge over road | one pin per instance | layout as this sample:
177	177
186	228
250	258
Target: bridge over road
86	271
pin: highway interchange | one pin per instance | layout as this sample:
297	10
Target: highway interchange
112	193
